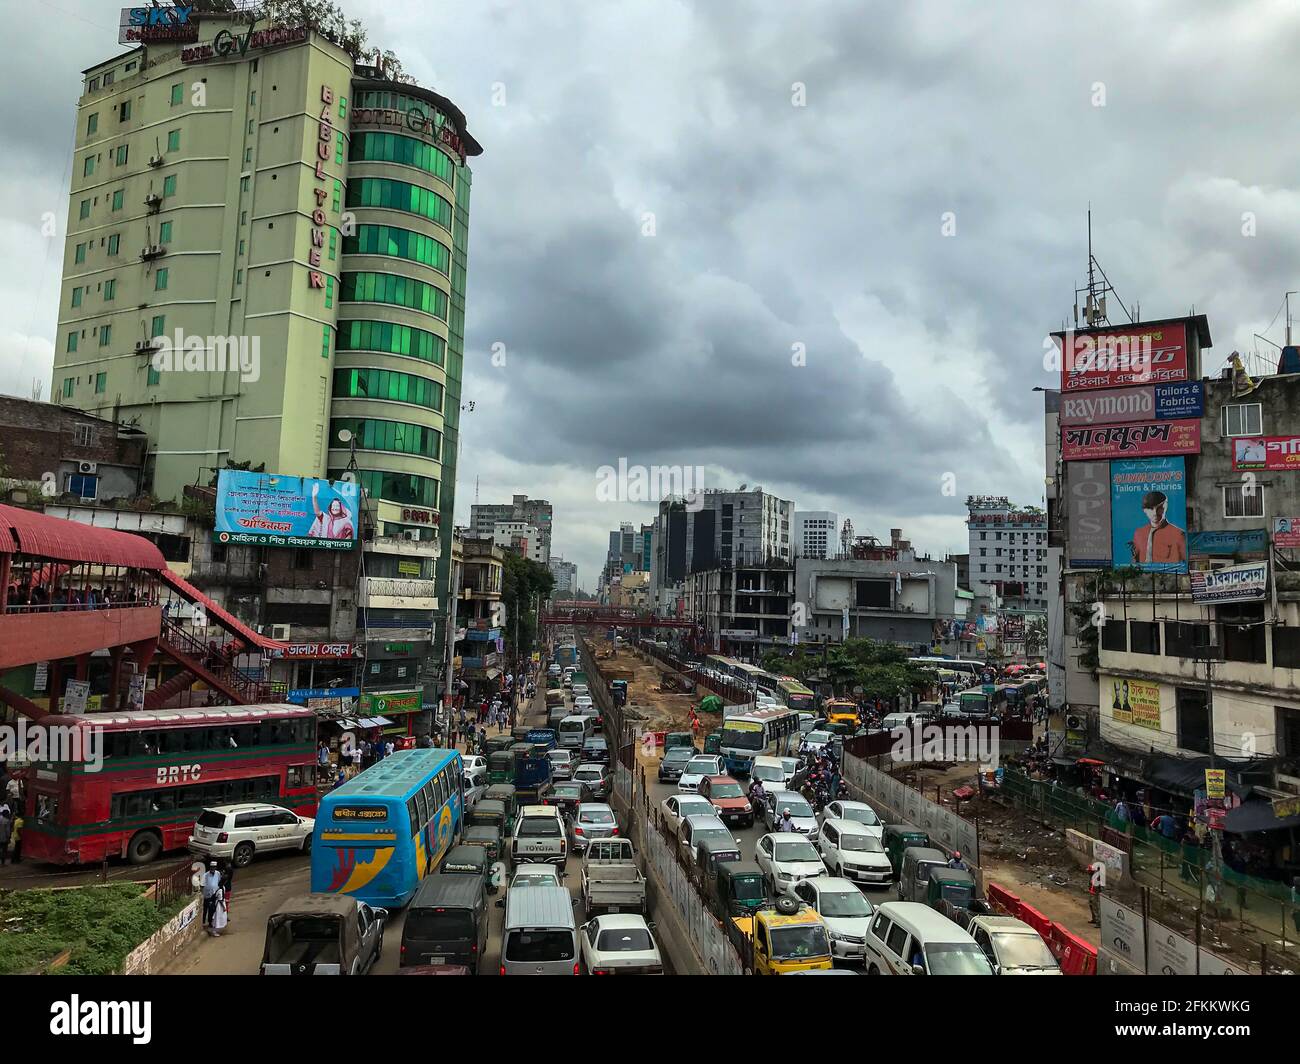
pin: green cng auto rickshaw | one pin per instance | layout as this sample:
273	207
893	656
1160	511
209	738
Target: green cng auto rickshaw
898	837
738	889
505	794
501	767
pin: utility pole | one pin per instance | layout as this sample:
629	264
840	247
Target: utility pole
1216	834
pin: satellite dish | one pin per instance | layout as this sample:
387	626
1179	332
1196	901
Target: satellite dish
345	435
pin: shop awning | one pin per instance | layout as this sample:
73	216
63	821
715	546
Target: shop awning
1257	816
33	533
218	614
373	722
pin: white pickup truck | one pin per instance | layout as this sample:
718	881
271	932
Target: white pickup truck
611	881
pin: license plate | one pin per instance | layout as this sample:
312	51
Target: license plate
435	960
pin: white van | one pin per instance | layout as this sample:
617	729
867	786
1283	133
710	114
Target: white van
540	935
574	731
909	938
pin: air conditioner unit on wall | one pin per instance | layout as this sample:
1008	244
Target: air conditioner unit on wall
281	632
87	467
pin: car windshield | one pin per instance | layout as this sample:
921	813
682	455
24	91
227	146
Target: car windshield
539	827
535	946
805	940
432	925
748	739
1023	951
624	940
797	806
589	772
796	850
844	903
957	958
702	766
701	807
597	816
957	893
819	737
749	888
790	764
679	753
700	834
210	818
860	843
726	790
862	815
766	773
568	792
533	879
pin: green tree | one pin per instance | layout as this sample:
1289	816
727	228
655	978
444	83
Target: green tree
524	584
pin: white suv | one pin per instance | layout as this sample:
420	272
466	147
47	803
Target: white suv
237	832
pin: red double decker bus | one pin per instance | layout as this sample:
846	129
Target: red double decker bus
159	770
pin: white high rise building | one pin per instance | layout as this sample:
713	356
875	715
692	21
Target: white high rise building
816	534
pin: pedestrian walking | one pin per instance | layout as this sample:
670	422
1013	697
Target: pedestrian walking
220	914
16	840
211	884
228	882
355	755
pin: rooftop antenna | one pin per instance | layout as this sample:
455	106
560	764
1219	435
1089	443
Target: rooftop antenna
1096	291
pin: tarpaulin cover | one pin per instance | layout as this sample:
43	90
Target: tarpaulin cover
34	533
218	614
1256	816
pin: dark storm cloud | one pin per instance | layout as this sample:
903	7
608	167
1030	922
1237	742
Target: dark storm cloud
776	225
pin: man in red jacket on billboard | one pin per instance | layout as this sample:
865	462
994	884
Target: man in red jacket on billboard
1158	541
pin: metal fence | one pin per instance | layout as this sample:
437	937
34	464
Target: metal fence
180	882
706	934
1244	910
895	801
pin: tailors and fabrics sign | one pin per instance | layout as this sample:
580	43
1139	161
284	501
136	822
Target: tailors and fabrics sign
279	511
1148	505
1152	402
1236	583
1124	355
1132	701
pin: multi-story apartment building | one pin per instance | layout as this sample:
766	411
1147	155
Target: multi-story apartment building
481	614
484	517
715	529
745	610
566	575
816	533
1008	551
266	264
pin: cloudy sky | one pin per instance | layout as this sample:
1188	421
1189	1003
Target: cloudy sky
817	249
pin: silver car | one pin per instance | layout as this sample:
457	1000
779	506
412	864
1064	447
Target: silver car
562	764
593	820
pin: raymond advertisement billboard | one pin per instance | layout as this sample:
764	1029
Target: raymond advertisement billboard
279	511
1148	509
1130	441
1280	453
1127	406
1087	490
1123	355
1233	583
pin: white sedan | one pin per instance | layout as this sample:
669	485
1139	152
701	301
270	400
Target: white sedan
619	944
676	807
815	741
859	812
696	769
843	909
787	859
474	764
852	851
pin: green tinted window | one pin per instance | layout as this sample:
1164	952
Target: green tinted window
400	196
169	185
72	341
372	434
117	199
405	488
101	383
164	232
398	243
76	296
177	91
110	290
174	140
80	254
113	242
392	339
407	151
389	385
85	207
159	325
398	291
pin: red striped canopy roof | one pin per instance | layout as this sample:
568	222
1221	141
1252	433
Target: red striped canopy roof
29	532
219	615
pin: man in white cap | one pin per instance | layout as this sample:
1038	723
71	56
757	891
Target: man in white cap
211	884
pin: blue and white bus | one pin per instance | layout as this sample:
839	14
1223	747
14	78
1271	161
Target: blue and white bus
746	736
388	827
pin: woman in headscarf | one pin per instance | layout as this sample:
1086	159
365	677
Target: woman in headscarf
333	523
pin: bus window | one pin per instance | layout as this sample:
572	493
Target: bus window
422	804
413	811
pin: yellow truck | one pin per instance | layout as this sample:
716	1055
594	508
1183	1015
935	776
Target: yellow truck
782	938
